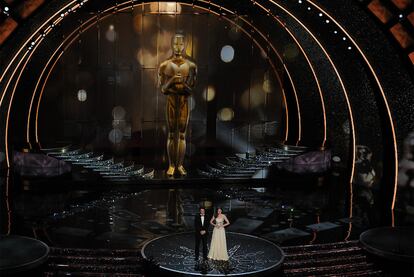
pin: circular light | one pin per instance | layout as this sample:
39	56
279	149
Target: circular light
344	38
300	1
225	114
82	95
118	113
336	159
335	32
401	16
62	15
6	9
33	43
309	8
227	53
320	14
115	135
209	93
349	47
327	21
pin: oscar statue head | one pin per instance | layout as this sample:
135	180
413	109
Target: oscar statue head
178	44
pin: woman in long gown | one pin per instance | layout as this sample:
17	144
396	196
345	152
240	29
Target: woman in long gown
218	246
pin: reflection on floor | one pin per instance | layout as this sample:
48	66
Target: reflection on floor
114	219
98	228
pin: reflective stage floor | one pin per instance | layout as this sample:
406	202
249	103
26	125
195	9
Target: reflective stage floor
79	220
126	216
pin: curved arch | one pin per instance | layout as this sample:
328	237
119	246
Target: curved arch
38	39
26	42
350	114
384	98
309	64
76	6
59	19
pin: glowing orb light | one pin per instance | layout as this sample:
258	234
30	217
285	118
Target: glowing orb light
82	95
227	53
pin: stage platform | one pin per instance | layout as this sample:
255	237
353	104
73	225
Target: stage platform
19	254
391	243
249	256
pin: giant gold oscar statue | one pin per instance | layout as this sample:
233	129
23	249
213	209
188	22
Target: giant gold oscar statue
177	77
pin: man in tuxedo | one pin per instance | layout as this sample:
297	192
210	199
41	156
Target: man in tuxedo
201	224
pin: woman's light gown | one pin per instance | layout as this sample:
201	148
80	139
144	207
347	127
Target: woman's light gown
218	246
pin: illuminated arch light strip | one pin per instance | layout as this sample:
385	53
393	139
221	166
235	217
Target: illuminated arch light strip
297	107
41	93
34	44
318	85
283	25
391	122
345	95
8	202
6	134
29	40
208	10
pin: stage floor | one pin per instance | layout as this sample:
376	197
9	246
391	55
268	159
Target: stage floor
249	256
125	217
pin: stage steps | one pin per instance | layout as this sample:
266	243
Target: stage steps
95	262
331	259
245	166
322	260
106	167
